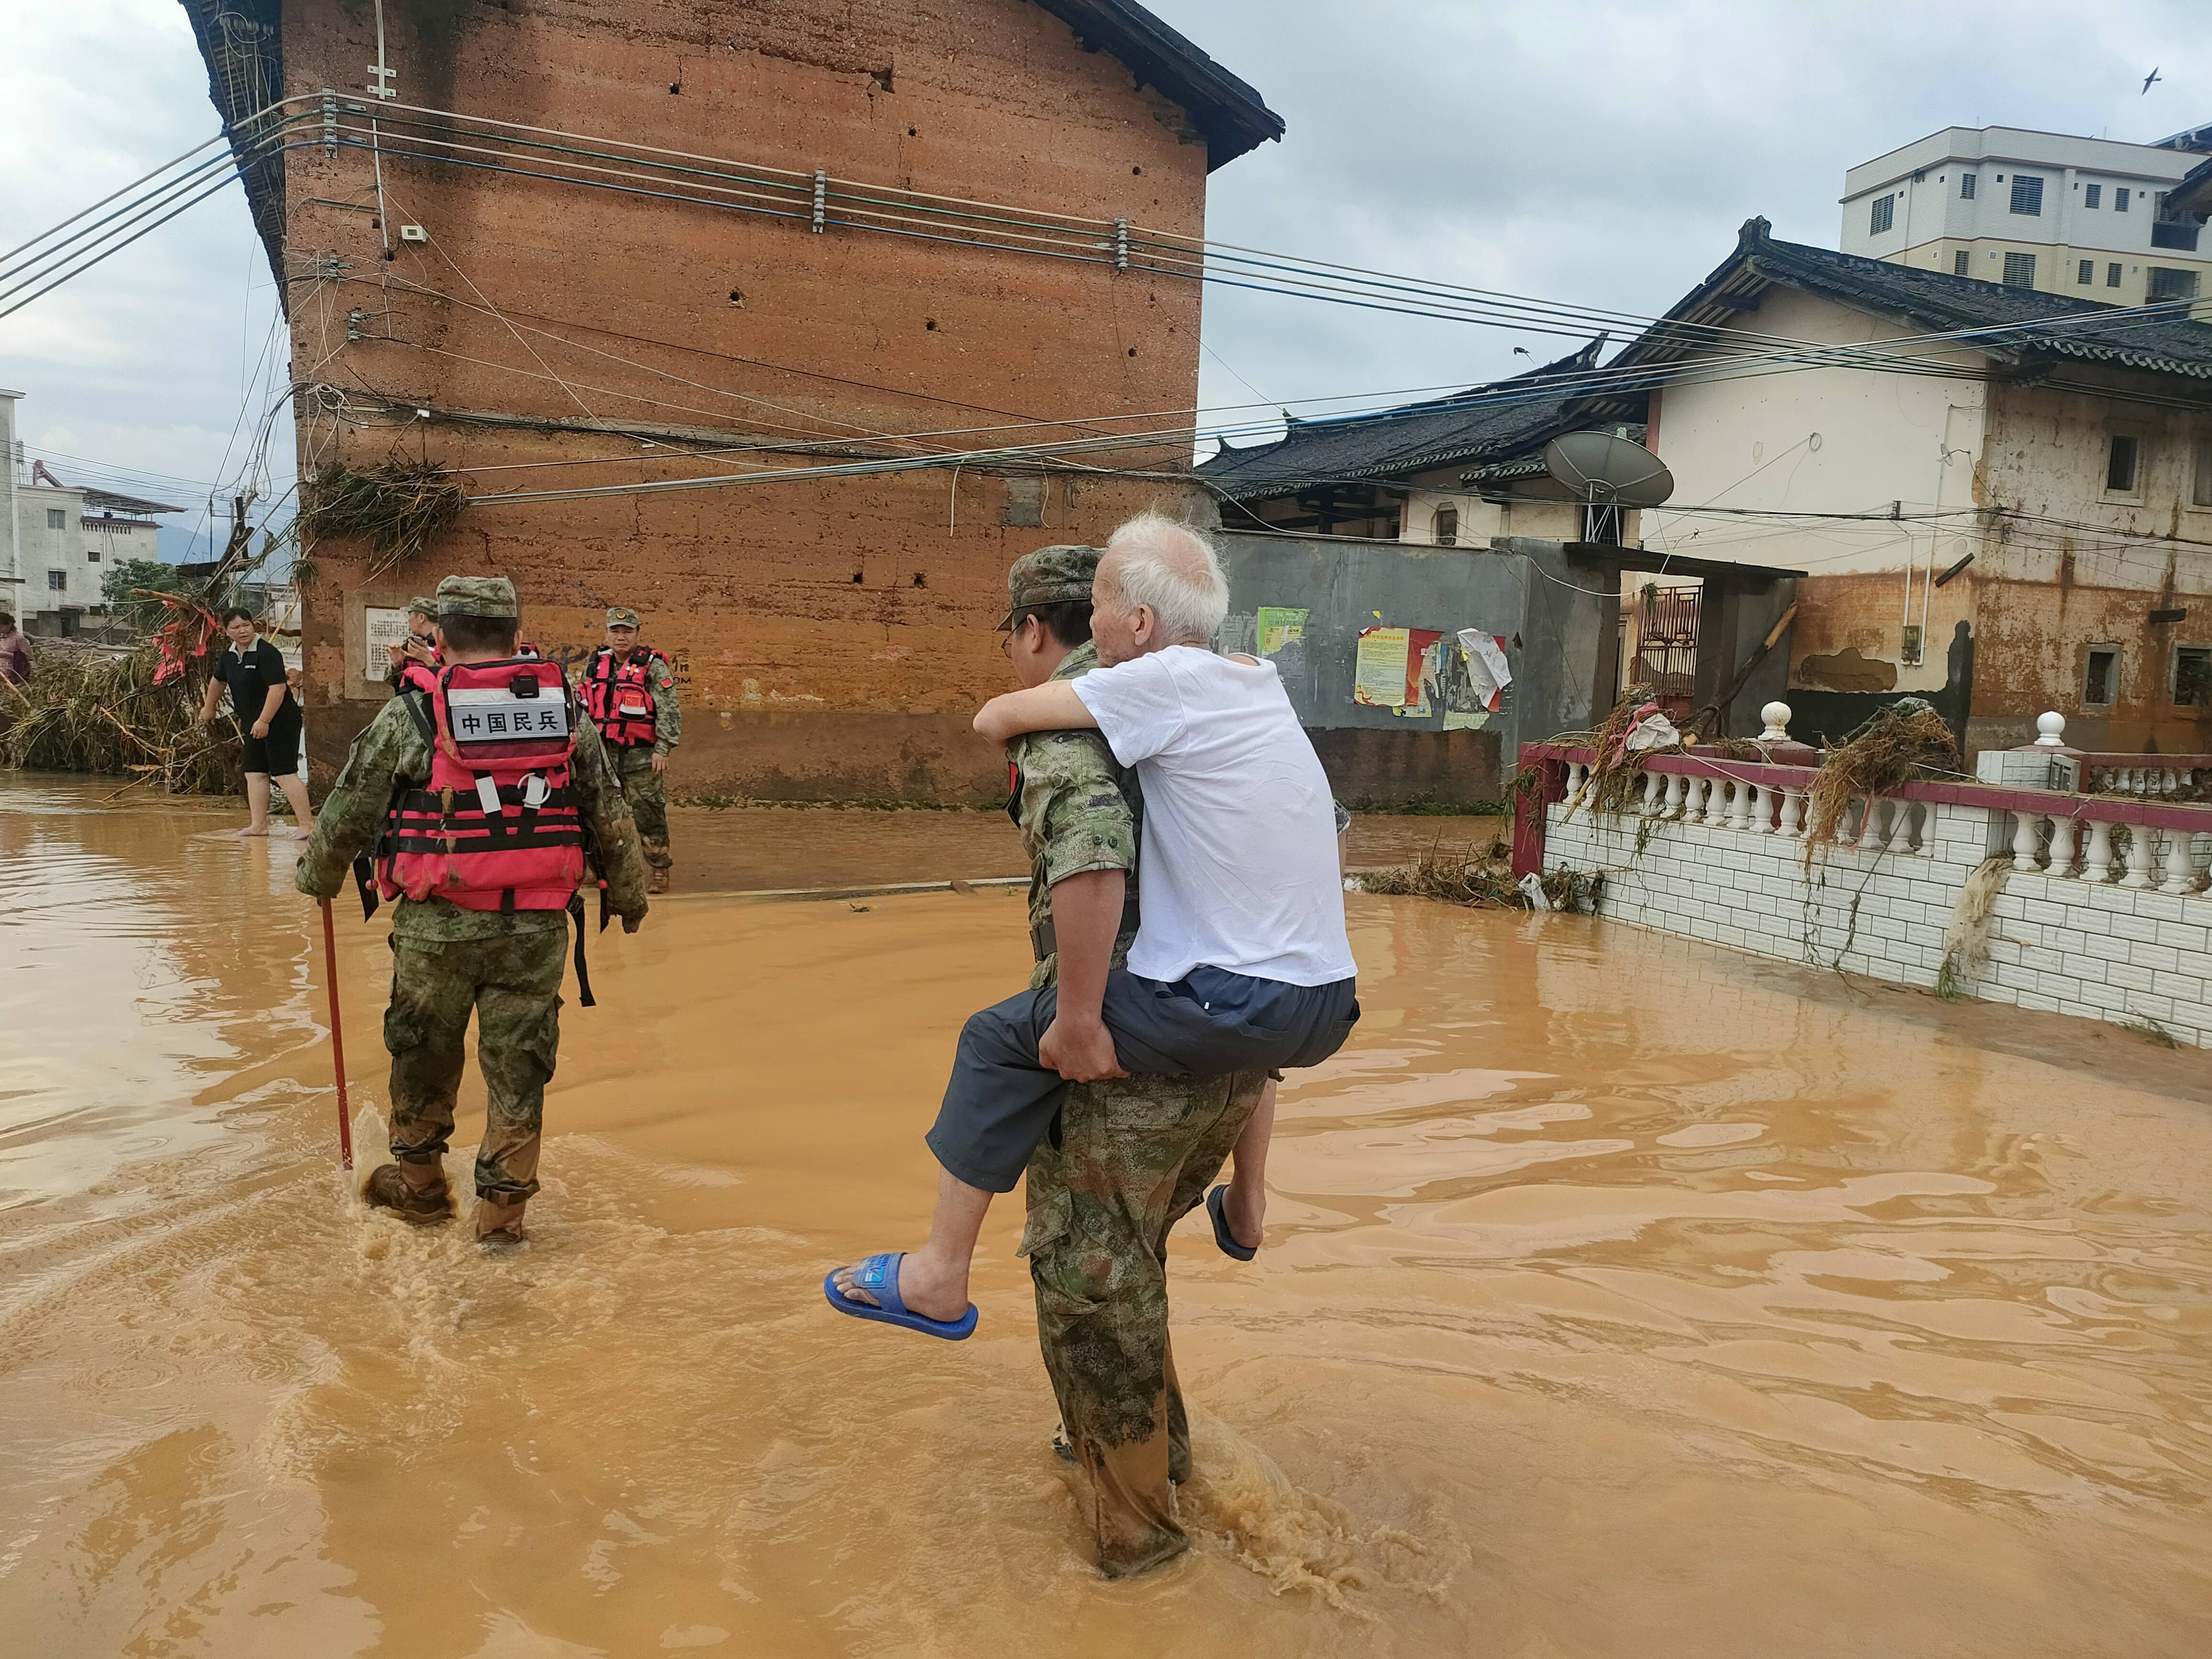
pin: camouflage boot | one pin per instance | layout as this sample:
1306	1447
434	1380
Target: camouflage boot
415	1192
499	1222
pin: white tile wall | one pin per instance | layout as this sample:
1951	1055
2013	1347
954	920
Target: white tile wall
2059	944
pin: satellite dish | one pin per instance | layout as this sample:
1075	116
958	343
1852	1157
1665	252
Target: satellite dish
1606	471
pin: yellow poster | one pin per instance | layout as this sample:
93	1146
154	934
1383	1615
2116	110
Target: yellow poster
1378	678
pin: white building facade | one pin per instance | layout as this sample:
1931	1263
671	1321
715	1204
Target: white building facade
57	540
2080	216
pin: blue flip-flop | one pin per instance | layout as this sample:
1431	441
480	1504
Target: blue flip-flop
1222	1236
879	1276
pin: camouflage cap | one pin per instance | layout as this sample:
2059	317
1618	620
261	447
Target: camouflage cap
477	596
621	615
419	606
1051	575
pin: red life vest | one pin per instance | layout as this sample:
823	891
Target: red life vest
497	828
618	695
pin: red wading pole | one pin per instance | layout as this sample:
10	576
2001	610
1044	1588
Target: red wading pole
337	1039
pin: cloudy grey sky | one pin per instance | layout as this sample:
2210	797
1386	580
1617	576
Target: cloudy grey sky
1593	152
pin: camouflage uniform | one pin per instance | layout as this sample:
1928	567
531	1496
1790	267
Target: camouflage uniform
446	960
1127	1160
641	787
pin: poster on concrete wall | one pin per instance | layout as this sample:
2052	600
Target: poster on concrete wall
1476	679
1279	625
1379	669
381	629
1424	673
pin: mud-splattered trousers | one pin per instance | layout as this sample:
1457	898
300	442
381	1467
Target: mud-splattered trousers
513	985
446	960
1132	1158
1127	1160
647	794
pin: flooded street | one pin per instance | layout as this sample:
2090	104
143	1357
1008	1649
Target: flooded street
1621	1297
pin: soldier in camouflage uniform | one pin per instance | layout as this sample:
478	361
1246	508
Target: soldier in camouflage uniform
1129	1158
640	768
446	960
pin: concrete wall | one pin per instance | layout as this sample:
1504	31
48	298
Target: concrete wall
2055	941
2055	583
1557	623
835	634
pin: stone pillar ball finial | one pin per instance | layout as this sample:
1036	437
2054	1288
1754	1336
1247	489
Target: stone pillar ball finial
1777	716
2051	731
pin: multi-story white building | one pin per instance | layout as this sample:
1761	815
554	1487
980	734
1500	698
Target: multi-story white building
2080	216
57	540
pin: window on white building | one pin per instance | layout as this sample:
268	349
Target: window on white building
2019	270
2027	195
2086	273
2120	194
2092	195
1966	187
2121	463
57	581
1961	262
92	555
2100	678
1447	527
2167	283
1883	215
2112	275
2192	675
56	519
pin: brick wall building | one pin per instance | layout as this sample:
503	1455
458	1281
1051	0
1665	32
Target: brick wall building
573	250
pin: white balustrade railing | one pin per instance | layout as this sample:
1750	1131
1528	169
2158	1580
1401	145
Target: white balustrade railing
2078	844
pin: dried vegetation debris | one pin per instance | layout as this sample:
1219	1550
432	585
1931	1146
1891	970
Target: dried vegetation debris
86	711
1484	879
395	506
1902	743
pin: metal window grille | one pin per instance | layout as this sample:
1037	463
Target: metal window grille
1961	262
57	581
2019	270
1883	216
2027	195
2192	675
2167	283
1966	187
2112	274
2120	194
2092	194
2086	273
2101	677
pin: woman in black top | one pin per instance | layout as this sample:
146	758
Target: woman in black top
261	702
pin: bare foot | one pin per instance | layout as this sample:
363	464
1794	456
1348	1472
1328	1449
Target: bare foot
1245	1209
251	830
933	1290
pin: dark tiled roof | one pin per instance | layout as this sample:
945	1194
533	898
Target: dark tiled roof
1504	420
2022	327
1233	117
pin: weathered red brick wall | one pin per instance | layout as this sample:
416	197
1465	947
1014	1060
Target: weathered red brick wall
836	634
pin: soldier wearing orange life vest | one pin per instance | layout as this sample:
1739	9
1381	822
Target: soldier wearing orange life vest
477	804
630	691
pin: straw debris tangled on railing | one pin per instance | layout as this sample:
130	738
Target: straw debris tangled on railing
1904	742
395	506
1484	879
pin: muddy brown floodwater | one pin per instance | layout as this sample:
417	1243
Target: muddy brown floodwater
1621	1298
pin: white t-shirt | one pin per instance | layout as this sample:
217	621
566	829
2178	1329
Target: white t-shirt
1238	866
